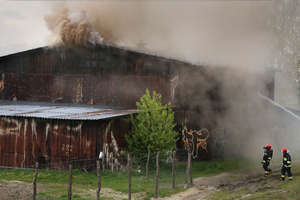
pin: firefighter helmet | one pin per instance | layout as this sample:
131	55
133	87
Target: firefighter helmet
283	150
268	146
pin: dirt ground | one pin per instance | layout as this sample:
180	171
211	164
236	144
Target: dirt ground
205	186
202	187
17	190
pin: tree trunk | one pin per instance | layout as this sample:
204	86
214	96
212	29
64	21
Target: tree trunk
157	176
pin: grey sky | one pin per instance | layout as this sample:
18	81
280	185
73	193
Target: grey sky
22	25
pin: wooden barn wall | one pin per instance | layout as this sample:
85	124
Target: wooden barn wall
111	76
104	75
53	143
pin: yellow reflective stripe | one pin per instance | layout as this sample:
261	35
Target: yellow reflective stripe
282	176
288	162
285	159
270	158
289	166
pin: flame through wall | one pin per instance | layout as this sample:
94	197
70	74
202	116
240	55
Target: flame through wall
194	140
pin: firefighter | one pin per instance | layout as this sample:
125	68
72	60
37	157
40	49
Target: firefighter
286	164
268	154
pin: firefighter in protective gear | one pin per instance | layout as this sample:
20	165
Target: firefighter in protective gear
268	154
286	164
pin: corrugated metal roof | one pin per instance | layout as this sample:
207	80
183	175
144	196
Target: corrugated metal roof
55	111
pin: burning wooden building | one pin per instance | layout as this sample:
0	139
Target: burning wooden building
61	104
52	102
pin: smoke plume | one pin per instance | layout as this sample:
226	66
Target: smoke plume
238	35
73	28
213	33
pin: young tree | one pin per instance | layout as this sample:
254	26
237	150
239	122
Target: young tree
152	127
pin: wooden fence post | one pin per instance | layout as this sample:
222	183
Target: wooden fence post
188	175
147	164
103	162
34	180
186	181
173	169
70	183
99	179
189	167
129	165
156	176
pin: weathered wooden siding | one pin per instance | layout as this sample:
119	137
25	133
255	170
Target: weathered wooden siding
54	143
104	75
80	89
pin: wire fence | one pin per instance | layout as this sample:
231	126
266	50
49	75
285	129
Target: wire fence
97	163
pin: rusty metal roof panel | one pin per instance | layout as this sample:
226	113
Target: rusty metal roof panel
67	112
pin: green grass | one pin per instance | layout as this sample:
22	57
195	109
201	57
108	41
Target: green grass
56	181
276	190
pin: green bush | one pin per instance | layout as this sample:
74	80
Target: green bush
152	127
